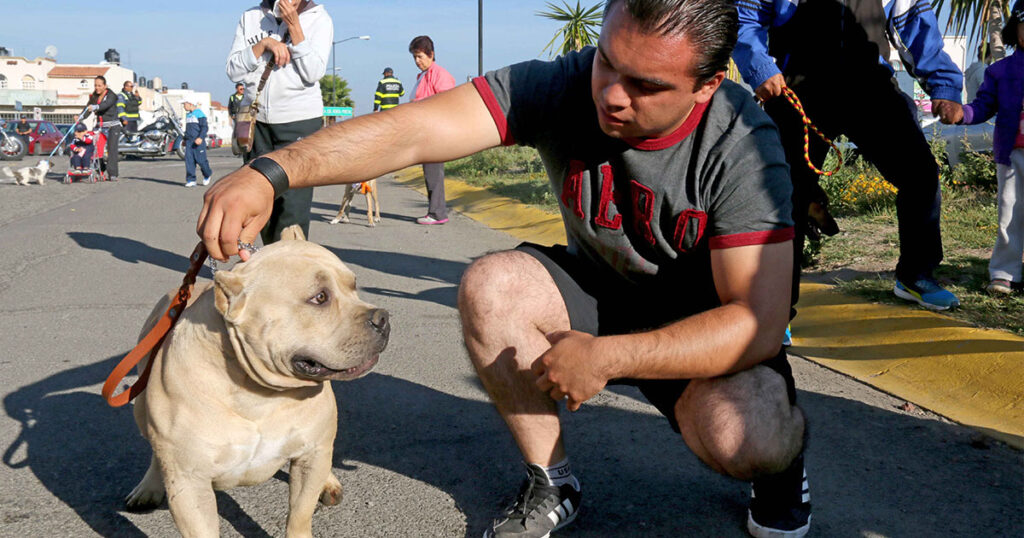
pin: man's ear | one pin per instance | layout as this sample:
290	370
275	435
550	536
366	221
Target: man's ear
293	233
705	91
228	296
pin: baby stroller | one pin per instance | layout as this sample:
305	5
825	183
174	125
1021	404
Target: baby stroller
97	170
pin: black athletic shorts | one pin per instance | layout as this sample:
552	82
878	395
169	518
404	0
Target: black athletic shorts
597	309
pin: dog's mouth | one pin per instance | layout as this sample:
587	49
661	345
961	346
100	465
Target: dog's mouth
313	369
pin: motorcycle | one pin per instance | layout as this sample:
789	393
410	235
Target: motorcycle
161	136
12	147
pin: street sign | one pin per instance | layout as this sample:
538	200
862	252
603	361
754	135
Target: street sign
343	111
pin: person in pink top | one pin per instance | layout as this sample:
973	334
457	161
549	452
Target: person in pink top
431	80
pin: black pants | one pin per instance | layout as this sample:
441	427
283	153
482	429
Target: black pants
293	206
882	122
112	131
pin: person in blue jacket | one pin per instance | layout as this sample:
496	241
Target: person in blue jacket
196	128
834	55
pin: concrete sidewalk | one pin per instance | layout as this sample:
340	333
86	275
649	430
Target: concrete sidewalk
970	375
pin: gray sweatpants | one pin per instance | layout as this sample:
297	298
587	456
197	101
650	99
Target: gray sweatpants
433	174
1009	249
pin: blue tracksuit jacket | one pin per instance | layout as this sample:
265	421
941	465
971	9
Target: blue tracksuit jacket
909	25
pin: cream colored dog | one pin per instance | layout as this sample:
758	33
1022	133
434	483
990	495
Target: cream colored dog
369	188
241	385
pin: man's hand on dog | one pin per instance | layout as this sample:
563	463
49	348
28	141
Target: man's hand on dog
236	207
571	369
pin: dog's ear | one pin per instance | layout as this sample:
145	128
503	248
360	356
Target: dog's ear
227	295
293	233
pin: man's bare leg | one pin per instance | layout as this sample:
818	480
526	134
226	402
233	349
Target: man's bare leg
741	425
508	303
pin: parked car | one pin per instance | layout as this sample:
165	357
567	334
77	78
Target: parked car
42	139
64	128
215	141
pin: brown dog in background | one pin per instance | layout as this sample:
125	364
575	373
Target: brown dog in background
369	188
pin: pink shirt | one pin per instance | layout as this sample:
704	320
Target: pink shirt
434	80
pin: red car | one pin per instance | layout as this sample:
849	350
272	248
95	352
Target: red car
43	137
214	141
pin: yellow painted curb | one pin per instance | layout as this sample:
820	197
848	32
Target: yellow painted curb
497	212
969	375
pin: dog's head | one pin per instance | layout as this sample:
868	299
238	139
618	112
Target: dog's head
294	318
44	165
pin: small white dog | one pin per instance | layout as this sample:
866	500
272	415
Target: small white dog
27	174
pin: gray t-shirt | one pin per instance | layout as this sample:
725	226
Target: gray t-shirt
650	210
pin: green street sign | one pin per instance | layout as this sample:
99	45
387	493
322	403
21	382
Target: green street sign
343	111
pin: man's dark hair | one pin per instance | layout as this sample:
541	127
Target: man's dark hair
101	77
422	44
1009	34
239	85
709	25
126	83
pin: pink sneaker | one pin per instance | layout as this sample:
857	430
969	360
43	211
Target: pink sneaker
430	220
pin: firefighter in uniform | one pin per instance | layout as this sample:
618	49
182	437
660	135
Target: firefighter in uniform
235	101
389	89
128	102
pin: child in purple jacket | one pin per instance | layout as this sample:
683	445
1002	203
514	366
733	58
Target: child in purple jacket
1002	95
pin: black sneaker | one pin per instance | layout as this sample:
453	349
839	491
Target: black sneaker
780	505
539	509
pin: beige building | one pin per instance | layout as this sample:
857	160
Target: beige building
52	91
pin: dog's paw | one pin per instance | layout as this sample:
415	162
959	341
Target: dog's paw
144	498
372	224
332	493
376	219
334	221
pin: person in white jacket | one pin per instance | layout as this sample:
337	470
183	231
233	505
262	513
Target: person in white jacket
293	36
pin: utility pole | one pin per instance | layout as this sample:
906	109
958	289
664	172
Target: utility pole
480	38
334	69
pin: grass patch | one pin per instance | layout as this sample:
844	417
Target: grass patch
516	172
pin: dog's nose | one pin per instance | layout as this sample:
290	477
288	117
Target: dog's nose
379	321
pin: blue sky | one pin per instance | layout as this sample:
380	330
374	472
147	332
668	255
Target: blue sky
188	40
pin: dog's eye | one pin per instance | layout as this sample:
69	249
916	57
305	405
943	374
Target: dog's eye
319	298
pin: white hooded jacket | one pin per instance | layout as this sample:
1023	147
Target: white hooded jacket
292	92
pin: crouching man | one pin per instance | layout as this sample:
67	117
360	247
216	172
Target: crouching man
675	195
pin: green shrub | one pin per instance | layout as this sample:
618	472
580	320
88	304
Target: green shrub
498	161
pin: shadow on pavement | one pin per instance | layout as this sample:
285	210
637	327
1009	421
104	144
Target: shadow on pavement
132	251
406	265
155	180
872	471
88	454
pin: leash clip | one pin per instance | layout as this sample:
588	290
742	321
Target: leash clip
251	247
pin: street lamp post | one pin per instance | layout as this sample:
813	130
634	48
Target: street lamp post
334	60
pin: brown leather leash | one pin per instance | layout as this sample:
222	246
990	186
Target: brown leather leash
154	339
808	126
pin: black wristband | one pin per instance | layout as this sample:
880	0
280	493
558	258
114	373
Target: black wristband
276	175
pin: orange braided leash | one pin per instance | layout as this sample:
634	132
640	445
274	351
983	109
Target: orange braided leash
808	126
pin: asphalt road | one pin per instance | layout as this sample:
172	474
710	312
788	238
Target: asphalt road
420	451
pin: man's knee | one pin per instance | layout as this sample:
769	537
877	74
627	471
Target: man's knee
495	284
744	422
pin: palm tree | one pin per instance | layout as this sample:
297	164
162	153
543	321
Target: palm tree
341	97
580	29
977	16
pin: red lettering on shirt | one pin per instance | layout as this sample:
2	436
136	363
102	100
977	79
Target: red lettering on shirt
607	197
683	222
643	210
572	189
